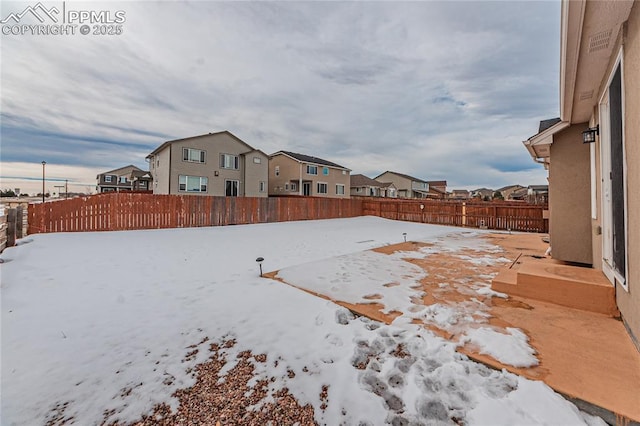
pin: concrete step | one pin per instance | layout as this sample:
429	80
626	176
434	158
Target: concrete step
572	286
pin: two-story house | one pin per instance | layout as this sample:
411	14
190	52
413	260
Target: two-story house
212	164
121	179
291	173
408	186
363	186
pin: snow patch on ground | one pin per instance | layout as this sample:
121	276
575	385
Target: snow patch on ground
109	322
512	348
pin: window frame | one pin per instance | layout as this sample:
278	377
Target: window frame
312	167
107	178
326	188
340	185
325	171
186	184
202	157
223	162
262	186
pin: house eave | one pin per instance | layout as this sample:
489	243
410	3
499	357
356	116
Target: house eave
539	146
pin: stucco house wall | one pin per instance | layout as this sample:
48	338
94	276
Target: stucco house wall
169	165
570	197
292	173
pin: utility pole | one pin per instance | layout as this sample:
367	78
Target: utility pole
43	164
66	188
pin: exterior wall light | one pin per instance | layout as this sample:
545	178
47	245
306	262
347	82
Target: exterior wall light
404	234
589	135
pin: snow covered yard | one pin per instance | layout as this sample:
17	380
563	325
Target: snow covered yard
104	326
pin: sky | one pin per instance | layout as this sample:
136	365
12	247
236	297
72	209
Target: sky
436	90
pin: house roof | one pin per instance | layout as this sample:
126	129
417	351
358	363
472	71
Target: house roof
504	188
115	171
539	187
460	191
403	175
437	182
308	159
434	189
545	124
362	180
167	143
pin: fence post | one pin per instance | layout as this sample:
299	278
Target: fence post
11	227
19	220
464	213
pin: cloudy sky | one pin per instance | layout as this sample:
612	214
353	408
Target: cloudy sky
437	90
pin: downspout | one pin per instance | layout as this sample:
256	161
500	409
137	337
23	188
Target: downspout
300	181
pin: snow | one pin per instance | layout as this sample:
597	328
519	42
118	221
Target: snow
88	316
509	348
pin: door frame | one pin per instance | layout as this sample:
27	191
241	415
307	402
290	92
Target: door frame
606	202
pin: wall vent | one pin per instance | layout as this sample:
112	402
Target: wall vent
586	95
599	41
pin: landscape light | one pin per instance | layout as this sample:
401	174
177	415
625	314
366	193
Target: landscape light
404	234
260	260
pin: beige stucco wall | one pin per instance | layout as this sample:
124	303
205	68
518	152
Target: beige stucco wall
292	170
172	166
256	173
159	167
402	184
629	301
570	197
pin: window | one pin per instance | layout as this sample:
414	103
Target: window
257	160
325	171
142	184
192	183
277	170
340	189
312	170
322	188
228	161
157	163
193	155
344	172
107	178
358	189
294	186
286	186
123	179
263	185
231	188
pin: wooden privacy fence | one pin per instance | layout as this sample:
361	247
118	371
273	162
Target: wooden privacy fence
128	211
504	216
11	226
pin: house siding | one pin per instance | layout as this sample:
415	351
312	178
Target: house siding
570	197
256	173
629	301
402	184
293	170
172	166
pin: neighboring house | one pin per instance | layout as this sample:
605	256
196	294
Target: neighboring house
591	150
218	164
141	180
459	194
291	173
439	185
506	191
483	193
118	179
363	186
406	186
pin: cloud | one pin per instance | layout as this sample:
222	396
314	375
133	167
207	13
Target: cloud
440	90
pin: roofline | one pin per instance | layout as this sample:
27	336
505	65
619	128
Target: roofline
167	143
402	175
120	168
571	13
538	138
337	166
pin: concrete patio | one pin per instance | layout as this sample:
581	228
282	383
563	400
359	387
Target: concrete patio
568	314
